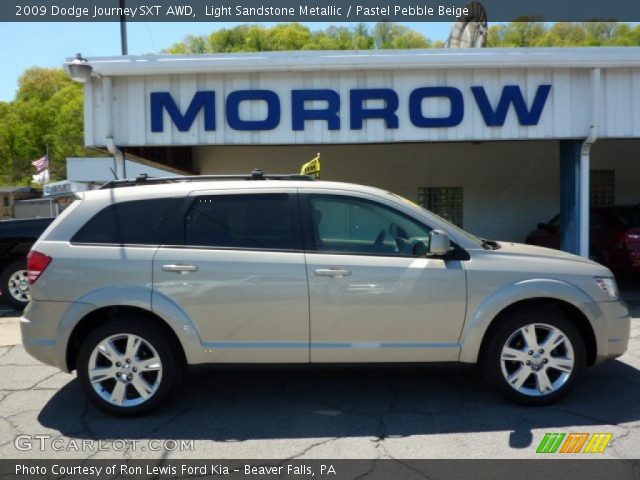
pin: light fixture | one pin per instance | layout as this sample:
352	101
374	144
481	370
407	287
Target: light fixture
79	69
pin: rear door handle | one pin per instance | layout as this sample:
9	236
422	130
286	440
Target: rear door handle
332	272
179	268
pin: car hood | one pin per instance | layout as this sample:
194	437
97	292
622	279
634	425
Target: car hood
543	253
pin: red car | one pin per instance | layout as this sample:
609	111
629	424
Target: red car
614	237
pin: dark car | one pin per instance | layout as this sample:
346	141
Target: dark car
16	238
614	237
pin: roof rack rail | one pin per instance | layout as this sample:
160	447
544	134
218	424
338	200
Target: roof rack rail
256	174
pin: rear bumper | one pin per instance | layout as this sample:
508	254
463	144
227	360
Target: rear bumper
40	335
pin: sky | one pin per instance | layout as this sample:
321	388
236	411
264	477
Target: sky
49	44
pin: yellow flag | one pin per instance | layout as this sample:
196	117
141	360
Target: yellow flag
312	167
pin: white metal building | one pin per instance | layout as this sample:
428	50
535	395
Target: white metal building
496	139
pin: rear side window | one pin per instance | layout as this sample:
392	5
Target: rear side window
257	221
138	222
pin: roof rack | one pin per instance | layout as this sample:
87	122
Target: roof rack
256	174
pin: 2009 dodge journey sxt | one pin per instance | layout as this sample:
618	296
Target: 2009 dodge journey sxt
135	281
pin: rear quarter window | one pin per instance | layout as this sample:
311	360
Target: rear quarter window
137	222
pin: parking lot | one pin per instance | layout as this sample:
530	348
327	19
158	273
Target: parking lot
435	412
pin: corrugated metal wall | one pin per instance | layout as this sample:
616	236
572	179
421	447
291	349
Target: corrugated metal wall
567	113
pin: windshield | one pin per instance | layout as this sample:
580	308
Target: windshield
450	225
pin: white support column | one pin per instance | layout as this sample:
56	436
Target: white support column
585	164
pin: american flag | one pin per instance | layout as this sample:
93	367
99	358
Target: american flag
41	164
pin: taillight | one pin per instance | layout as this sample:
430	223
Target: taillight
36	264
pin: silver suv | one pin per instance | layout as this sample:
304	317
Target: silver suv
137	280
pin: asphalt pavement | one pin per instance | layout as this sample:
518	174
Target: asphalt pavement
434	412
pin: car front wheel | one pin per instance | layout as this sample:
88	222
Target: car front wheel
127	367
534	357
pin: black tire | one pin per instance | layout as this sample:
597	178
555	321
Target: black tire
491	363
22	294
172	365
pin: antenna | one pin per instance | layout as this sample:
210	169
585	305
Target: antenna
470	31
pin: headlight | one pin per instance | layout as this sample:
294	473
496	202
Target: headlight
608	286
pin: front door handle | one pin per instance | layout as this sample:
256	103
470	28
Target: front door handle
332	272
179	268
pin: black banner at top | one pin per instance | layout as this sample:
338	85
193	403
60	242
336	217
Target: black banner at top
256	11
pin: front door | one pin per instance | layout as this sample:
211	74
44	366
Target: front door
371	298
240	276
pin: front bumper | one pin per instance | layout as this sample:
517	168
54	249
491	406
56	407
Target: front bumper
616	328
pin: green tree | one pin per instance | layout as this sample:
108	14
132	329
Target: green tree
47	111
295	36
523	34
393	35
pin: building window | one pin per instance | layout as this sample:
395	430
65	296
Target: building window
603	187
444	201
5	202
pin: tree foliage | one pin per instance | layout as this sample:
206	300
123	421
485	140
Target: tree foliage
527	32
47	112
295	36
563	34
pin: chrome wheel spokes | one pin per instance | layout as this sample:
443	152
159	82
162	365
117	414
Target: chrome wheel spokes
125	370
537	359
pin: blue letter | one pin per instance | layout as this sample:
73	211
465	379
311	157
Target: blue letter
360	113
511	94
299	114
233	110
201	100
455	99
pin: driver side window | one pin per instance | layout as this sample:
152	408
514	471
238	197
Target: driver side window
355	225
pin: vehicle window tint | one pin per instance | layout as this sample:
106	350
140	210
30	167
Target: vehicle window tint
262	221
353	225
135	222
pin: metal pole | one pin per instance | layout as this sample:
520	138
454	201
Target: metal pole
46	145
123	30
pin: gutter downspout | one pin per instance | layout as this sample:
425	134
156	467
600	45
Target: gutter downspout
585	163
118	156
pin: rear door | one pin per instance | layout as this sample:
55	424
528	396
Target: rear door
239	274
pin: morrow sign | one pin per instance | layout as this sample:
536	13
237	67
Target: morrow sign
324	105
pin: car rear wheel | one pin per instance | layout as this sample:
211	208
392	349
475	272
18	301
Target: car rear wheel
534	357
15	284
128	367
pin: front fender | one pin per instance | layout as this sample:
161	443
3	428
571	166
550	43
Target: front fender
480	318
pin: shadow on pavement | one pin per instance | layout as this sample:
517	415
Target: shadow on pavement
385	402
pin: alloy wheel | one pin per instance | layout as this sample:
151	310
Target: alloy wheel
537	359
125	370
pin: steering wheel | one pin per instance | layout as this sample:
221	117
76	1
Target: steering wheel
378	243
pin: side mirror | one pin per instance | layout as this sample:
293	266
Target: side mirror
439	243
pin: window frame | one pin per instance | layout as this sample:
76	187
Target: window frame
457	252
165	232
179	237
